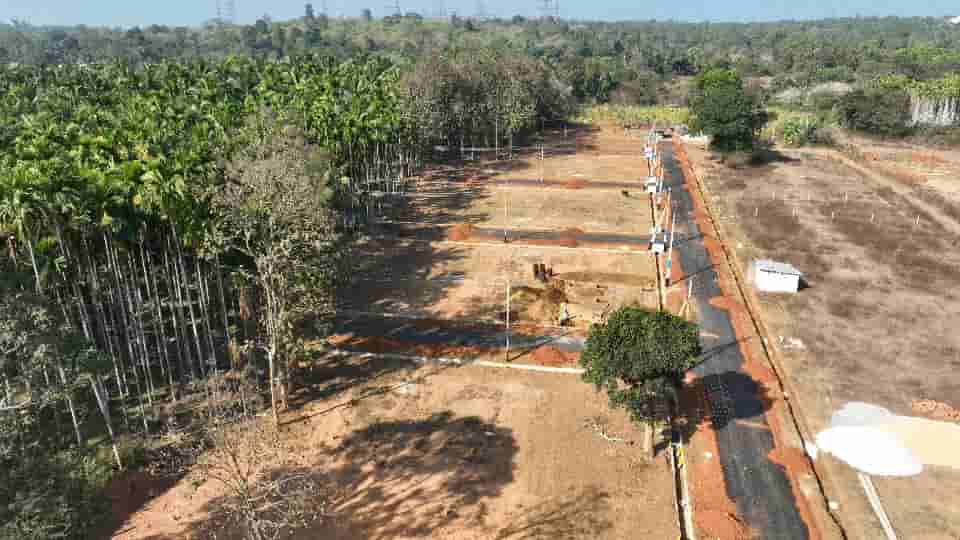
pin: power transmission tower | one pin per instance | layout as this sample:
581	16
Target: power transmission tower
323	7
549	8
394	8
481	10
226	11
439	11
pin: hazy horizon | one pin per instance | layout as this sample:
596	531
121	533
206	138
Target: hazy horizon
112	13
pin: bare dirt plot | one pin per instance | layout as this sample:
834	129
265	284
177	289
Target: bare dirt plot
468	281
591	211
441	255
936	167
875	323
594	153
462	453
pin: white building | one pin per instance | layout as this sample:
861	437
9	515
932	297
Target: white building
771	276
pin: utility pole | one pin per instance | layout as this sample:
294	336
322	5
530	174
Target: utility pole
541	163
507	266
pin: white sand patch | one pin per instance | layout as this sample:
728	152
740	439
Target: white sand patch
873	440
869	450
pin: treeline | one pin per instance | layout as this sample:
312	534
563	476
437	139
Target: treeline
627	62
170	226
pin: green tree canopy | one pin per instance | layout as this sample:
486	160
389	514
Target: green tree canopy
876	110
722	109
637	355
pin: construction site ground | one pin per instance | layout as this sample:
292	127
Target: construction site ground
448	250
444	452
875	237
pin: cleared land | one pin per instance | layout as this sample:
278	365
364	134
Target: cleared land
458	453
471	452
469	281
589	210
442	255
875	322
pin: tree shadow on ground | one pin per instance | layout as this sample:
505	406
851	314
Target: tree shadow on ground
717	400
370	391
329	375
408	478
128	494
573	515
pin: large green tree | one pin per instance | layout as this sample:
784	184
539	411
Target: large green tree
723	110
638	357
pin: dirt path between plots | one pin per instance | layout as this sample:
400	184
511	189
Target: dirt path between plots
947	222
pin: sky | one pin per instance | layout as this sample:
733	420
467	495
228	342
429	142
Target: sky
128	13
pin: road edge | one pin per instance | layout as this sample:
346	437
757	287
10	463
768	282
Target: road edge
770	351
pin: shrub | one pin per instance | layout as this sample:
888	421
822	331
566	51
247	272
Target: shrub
877	111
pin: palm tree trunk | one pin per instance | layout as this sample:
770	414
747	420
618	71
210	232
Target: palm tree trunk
106	328
33	259
205	310
100	394
141	332
159	326
73	411
227	337
127	323
193	316
183	351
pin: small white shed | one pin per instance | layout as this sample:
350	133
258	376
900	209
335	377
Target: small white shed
772	276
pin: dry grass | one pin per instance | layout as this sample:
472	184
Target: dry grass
876	321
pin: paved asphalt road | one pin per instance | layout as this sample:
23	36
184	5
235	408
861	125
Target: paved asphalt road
759	487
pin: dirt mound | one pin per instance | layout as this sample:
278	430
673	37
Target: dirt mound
575	183
540	305
460	232
552	356
568	237
935	409
568	241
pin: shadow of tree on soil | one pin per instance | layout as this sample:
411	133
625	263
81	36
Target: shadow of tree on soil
128	494
408	478
575	515
329	375
721	399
